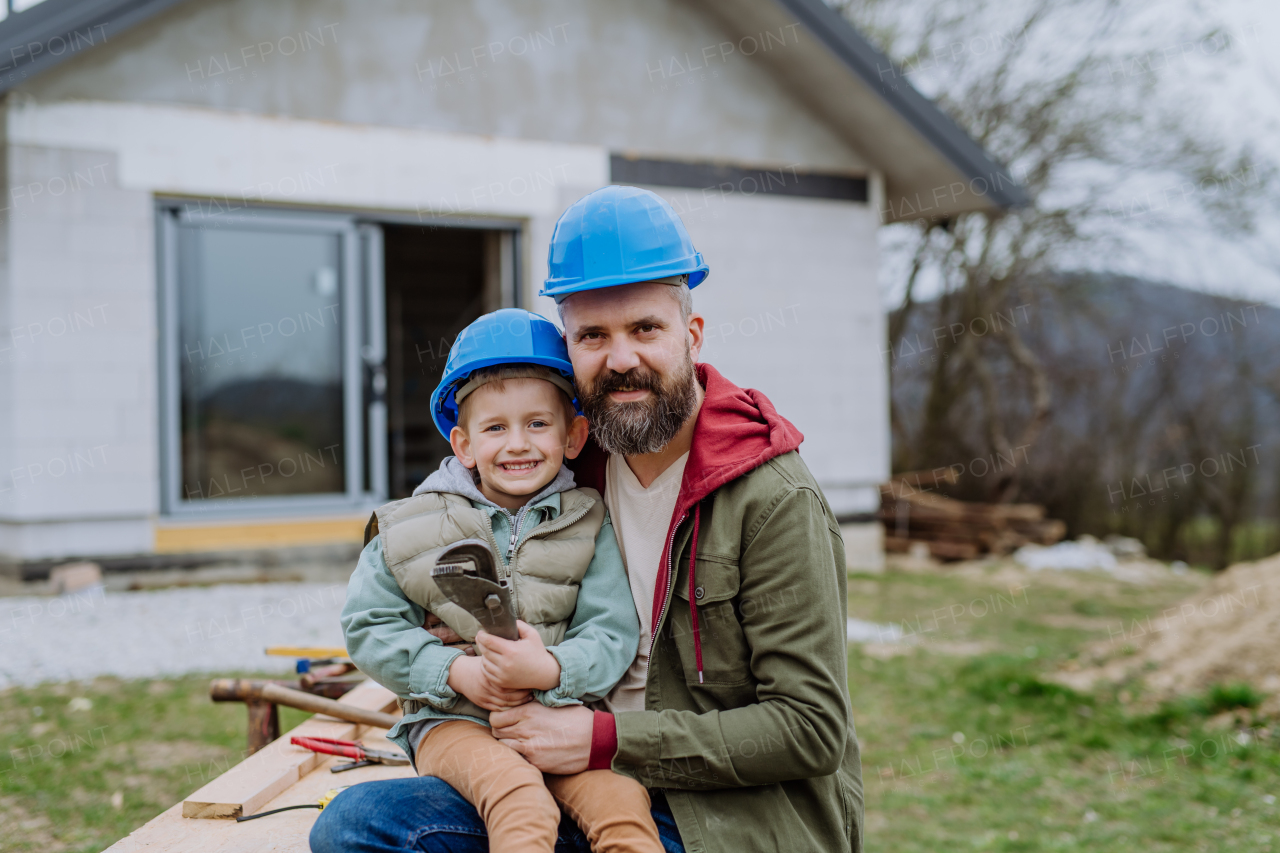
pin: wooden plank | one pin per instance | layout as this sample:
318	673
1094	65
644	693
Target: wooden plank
967	513
933	503
245	788
1045	532
286	832
921	480
937	549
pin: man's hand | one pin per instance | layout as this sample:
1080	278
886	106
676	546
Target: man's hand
554	740
438	629
523	664
466	676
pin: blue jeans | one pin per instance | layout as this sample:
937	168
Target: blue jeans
428	816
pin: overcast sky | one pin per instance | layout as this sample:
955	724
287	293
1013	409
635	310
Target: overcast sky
1244	93
1234	92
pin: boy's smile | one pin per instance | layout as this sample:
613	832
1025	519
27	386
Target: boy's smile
521	466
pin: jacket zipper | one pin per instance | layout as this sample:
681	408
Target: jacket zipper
514	522
559	524
515	529
666	593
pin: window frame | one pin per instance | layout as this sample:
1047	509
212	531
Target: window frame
360	345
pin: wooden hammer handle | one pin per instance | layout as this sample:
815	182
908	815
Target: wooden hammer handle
242	690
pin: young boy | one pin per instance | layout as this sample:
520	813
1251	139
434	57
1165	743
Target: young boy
506	404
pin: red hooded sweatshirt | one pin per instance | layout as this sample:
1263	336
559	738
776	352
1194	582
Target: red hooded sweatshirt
737	431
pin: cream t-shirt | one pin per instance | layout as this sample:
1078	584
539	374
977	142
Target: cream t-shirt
641	521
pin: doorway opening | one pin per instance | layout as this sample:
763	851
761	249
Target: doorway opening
437	281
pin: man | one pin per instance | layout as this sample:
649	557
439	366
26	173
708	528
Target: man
735	713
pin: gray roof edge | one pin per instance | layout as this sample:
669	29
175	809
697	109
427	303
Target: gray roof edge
923	115
29	39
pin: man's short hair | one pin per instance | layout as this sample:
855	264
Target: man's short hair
684	296
499	373
679	291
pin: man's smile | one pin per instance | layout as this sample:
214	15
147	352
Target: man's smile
628	395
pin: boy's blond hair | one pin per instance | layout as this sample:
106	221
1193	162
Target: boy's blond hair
497	376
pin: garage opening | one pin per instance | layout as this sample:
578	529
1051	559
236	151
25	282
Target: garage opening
437	281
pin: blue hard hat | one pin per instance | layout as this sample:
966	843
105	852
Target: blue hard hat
508	336
618	235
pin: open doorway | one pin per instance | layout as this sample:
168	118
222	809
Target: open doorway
437	281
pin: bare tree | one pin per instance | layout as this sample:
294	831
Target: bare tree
1068	95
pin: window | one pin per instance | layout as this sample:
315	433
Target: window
263	352
299	351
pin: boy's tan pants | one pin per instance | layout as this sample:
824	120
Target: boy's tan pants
518	803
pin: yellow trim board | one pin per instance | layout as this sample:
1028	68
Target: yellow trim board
313	652
276	534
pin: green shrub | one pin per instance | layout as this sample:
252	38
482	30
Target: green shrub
1228	697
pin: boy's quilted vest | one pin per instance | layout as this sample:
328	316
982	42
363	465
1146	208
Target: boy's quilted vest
545	569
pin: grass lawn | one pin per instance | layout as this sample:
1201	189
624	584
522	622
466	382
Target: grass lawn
77	779
965	747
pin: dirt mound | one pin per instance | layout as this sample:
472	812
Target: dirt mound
1229	631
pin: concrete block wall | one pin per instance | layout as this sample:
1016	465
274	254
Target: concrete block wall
793	309
97	389
78	460
609	73
376	132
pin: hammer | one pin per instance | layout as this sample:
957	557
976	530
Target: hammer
246	690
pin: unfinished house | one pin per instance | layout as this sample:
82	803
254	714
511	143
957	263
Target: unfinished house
239	236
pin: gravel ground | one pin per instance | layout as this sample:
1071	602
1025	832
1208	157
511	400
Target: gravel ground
169	632
163	632
862	631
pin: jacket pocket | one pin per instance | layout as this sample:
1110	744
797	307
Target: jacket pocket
849	805
726	656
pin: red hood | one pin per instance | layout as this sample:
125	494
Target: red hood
738	430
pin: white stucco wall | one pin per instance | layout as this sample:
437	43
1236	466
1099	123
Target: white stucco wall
80	239
791	303
794	312
78	454
355	124
655	76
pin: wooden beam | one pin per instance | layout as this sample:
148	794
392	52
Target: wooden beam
247	787
937	550
287	832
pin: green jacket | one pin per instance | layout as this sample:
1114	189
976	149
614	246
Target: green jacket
382	623
762	754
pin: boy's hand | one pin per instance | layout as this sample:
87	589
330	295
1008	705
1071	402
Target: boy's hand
466	676
519	664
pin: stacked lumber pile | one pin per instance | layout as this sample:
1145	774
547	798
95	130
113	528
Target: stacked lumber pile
912	511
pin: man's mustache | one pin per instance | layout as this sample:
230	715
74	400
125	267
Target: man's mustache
635	379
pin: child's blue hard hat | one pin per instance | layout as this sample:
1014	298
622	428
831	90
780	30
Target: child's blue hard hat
618	235
508	336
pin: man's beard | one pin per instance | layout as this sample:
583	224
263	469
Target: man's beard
642	426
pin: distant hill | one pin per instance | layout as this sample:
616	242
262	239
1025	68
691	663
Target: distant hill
1164	404
307	413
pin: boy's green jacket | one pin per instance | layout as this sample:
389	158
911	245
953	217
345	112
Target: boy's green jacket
594	642
760	753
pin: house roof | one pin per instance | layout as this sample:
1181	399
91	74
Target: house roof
53	31
931	167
